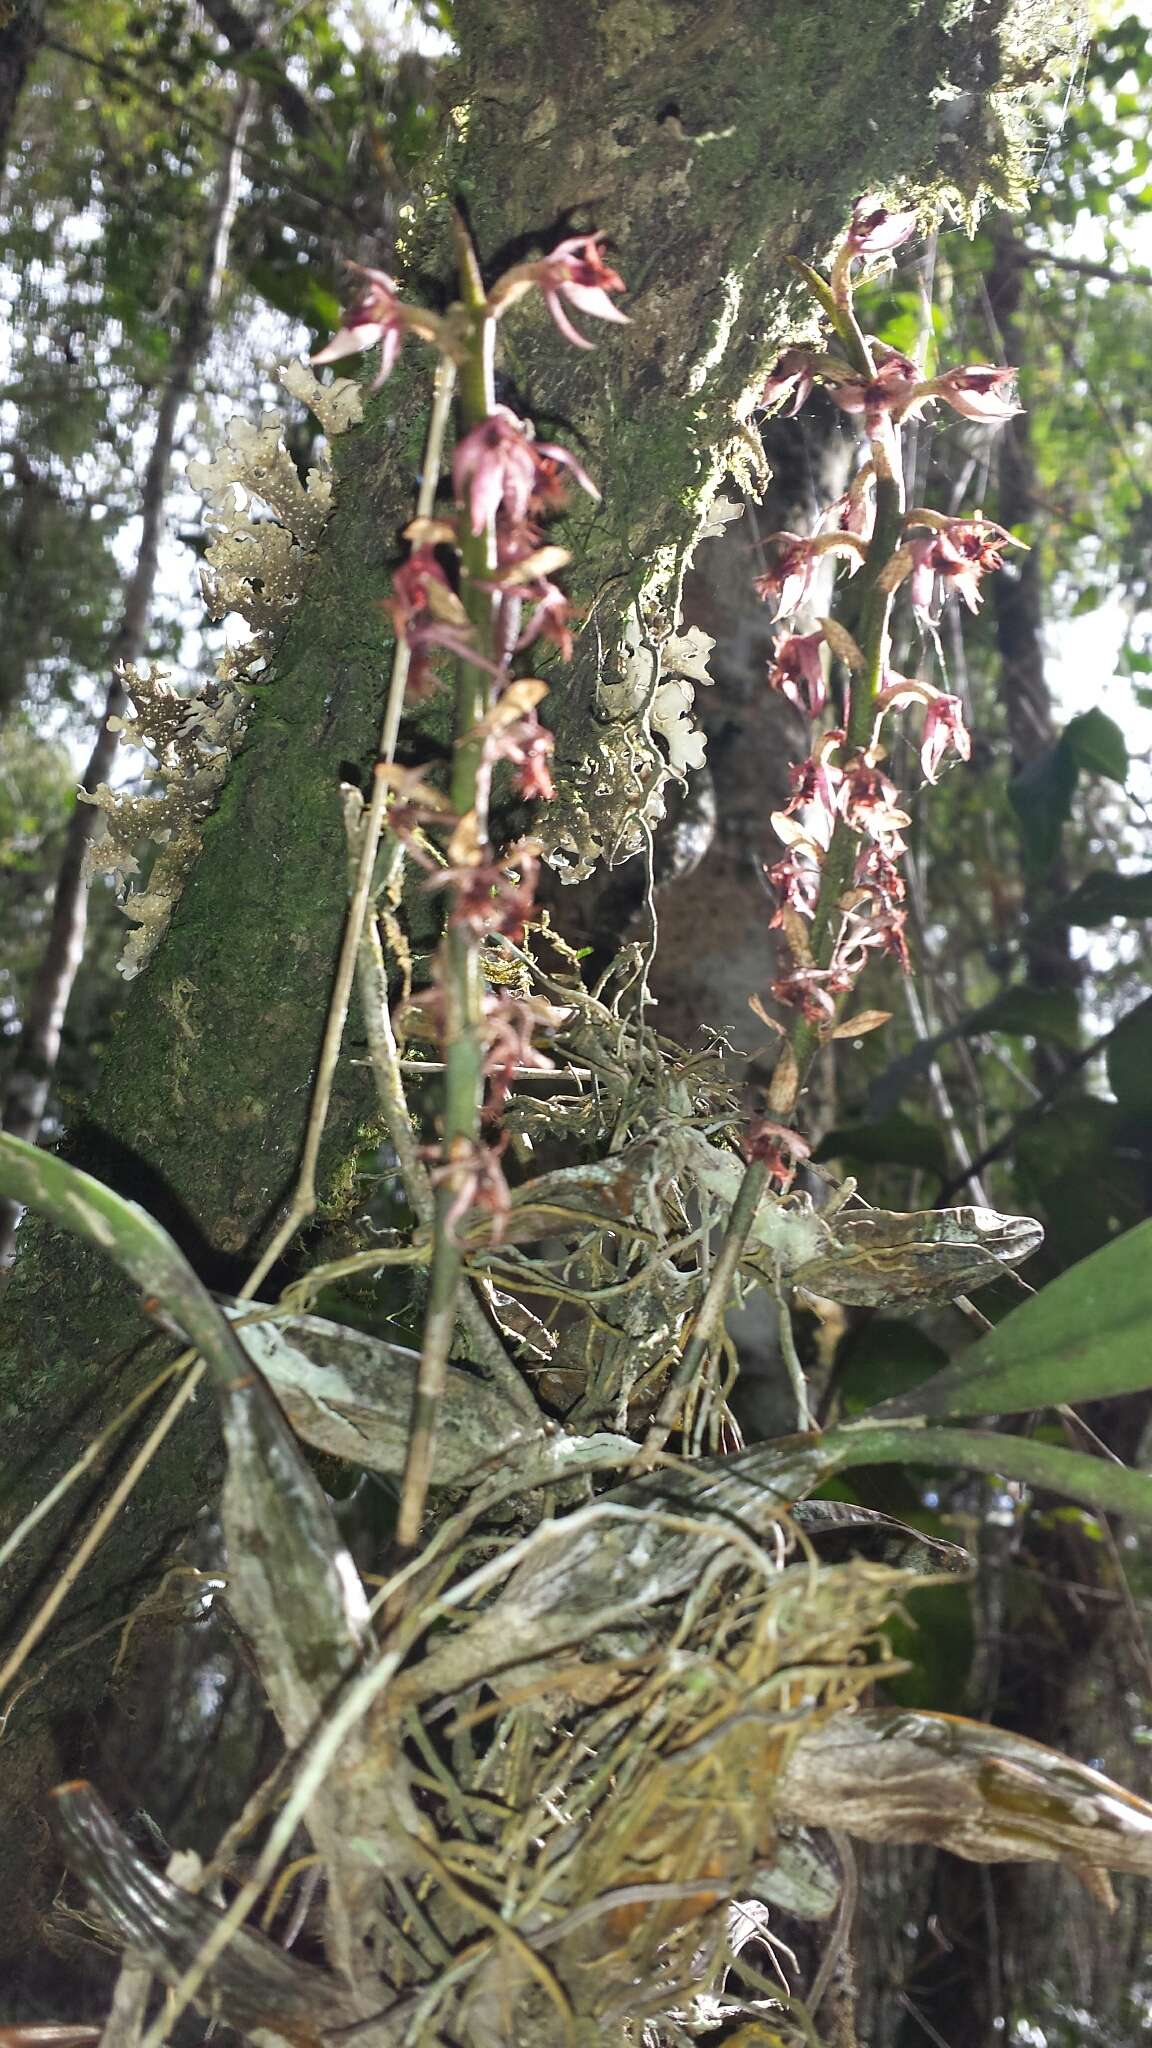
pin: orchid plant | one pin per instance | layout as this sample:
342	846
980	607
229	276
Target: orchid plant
841	896
478	587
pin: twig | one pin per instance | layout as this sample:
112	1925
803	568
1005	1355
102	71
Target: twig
94	1536
842	1931
372	982
88	1457
1043	259
33	1069
303	1203
1004	1143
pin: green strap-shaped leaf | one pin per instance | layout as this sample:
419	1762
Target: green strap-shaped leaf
292	1586
1085	1336
1097	1483
133	1238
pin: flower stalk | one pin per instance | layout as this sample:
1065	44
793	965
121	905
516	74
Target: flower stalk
840	890
463	589
462	983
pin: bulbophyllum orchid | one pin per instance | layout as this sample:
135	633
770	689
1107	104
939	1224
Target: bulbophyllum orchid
809	819
855	511
492	895
575	271
959	551
513	732
873	231
869	803
796	882
792	379
549	620
378	314
814	991
474	1174
509	1024
497	467
790	580
426	612
779	1149
944	732
797	671
895	389
944	728
978	391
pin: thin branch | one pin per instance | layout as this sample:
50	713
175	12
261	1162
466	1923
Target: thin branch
303	1202
32	1073
1043	259
1007	1139
178	110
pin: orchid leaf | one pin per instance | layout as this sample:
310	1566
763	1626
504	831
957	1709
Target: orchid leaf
1098	1483
1082	1338
292	1585
128	1234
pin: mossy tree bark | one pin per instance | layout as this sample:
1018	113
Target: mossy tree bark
710	144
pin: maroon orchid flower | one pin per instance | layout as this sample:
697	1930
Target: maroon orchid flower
790	580
874	231
493	895
427	613
509	1022
893	390
869	802
796	881
792	378
814	991
978	391
797	672
475	1176
944	732
575	271
376	314
960	552
775	1146
496	468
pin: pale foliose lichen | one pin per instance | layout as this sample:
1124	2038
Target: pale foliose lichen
192	740
264	523
611	799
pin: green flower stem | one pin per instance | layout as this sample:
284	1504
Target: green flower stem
875	608
804	1039
461	980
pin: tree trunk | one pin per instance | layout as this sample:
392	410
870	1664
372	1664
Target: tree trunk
21	35
711	145
1023	684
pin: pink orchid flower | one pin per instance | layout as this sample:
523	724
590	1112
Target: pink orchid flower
575	271
944	732
376	314
496	466
797	672
978	391
873	231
